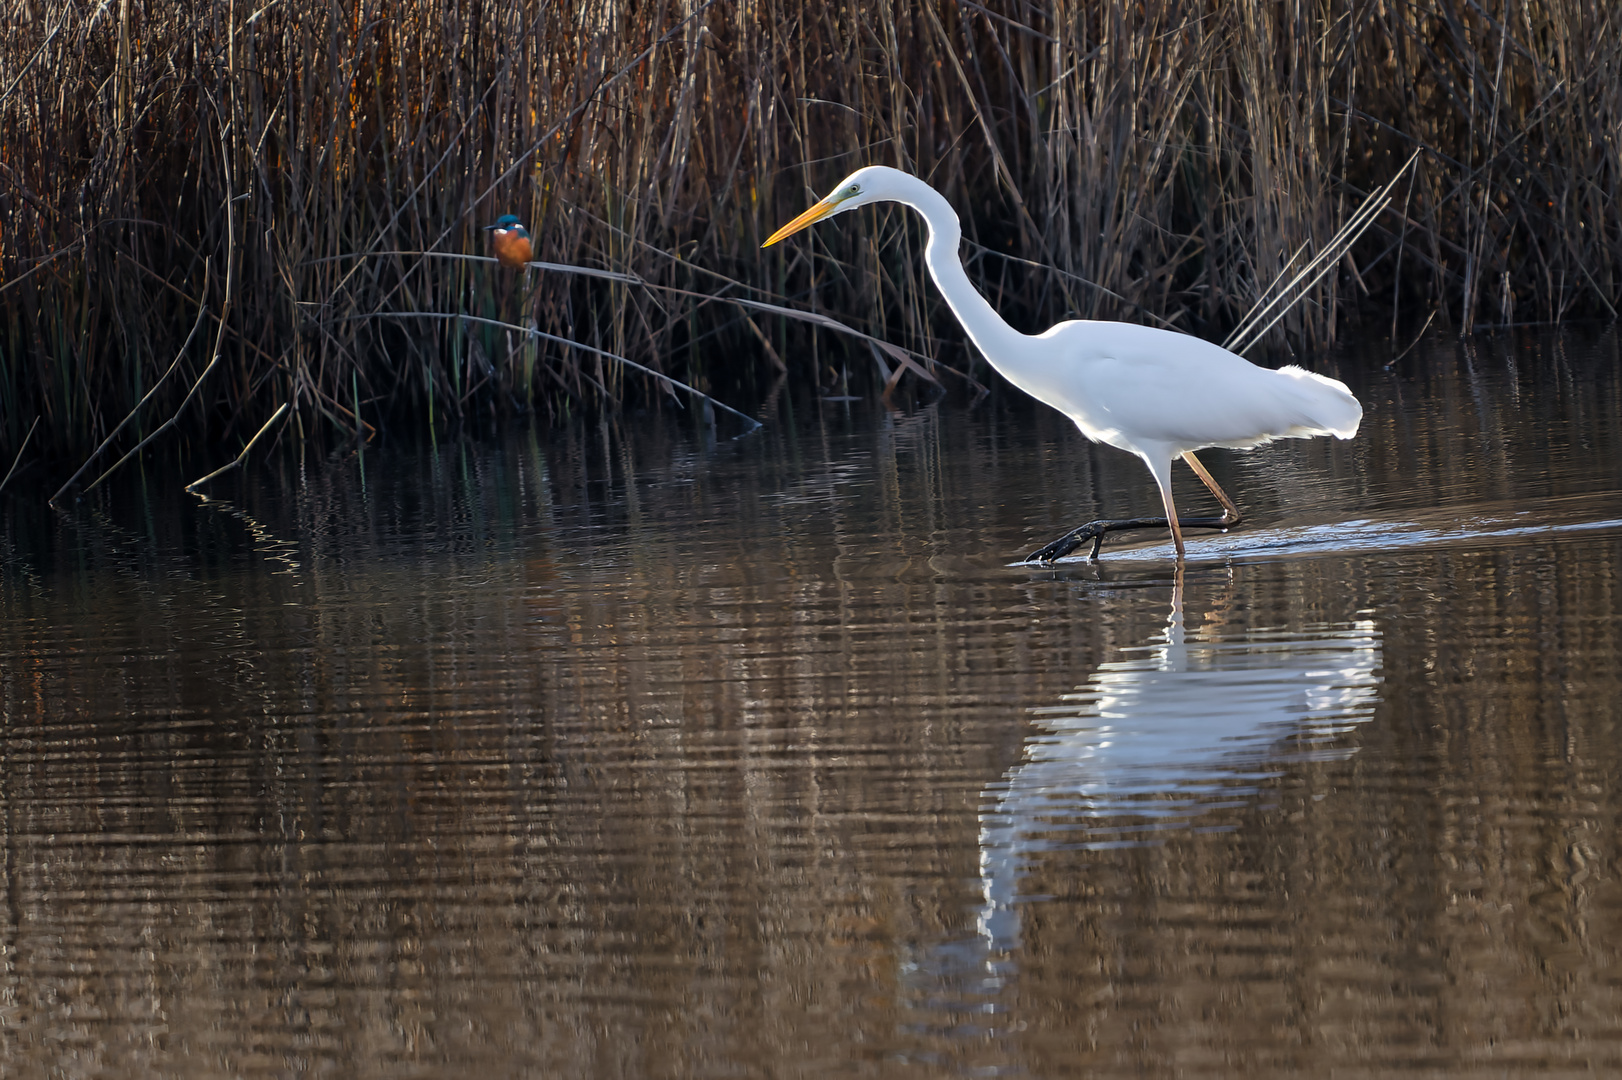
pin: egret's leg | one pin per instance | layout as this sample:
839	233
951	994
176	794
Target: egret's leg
1096	530
1163	478
1230	510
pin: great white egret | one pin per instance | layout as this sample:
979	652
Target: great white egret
1156	393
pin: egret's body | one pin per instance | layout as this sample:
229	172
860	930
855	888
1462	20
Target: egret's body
1156	393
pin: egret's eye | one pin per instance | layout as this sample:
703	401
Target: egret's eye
852	190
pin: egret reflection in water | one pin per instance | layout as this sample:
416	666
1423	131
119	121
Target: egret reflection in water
1179	726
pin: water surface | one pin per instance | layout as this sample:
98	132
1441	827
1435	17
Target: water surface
640	750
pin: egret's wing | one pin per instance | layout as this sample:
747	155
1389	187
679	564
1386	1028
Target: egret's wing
1144	385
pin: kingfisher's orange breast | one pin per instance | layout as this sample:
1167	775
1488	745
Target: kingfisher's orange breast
511	247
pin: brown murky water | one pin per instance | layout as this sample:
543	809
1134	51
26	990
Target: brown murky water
632	752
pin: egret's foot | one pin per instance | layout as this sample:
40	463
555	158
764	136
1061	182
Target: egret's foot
1097	530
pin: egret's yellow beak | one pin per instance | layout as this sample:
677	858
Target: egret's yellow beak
810	217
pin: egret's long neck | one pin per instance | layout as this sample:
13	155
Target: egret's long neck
1001	343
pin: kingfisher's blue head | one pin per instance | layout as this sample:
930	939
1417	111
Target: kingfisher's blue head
508	223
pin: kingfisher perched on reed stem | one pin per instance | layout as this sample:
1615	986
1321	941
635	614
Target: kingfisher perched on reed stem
509	241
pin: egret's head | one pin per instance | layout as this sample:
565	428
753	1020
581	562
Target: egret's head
872	184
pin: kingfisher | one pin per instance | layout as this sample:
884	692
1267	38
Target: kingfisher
509	240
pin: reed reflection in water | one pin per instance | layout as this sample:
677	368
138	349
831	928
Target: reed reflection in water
639	751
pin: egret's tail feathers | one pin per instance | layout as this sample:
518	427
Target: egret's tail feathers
1331	407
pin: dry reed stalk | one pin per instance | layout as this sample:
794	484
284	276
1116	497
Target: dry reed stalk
236	462
16	461
1150	159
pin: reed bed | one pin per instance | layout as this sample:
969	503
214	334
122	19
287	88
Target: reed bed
299	176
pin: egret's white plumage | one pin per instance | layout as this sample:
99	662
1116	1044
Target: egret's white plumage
1156	393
